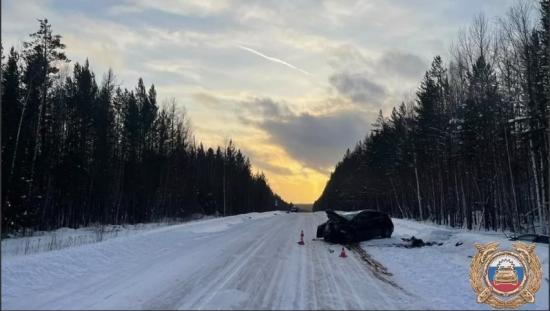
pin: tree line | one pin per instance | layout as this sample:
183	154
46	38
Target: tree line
75	152
471	149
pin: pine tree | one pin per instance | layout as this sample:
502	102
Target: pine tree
11	111
11	116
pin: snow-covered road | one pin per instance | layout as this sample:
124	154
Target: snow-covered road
247	261
236	262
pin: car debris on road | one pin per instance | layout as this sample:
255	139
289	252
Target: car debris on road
414	242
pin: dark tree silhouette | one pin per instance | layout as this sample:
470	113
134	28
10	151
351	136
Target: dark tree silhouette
472	150
75	152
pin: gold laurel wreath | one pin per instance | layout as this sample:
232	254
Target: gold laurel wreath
533	271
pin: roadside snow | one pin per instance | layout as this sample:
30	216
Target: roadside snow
441	273
43	241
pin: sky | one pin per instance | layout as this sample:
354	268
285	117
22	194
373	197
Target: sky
292	83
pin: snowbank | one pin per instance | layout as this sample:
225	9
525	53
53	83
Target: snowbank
43	241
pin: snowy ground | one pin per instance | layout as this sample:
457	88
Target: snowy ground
41	241
441	272
248	261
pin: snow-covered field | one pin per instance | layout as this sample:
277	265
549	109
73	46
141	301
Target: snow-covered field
250	261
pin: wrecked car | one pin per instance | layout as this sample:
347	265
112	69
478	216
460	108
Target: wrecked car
531	237
355	226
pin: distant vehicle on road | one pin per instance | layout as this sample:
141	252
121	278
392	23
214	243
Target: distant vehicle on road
294	209
355	226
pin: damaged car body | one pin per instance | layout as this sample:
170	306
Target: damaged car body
355	226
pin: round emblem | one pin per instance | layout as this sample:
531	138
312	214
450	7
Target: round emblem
505	273
505	279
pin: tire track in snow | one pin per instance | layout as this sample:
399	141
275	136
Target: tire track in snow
247	277
354	281
242	253
282	274
226	250
340	277
324	265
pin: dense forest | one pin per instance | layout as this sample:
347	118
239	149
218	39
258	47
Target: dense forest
75	152
471	149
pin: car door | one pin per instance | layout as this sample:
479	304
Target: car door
367	225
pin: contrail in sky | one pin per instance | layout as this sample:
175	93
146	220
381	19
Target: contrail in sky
275	60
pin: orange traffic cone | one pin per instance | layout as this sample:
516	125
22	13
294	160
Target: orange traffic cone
301	238
343	253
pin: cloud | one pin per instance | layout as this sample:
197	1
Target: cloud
170	68
121	9
207	100
263	163
407	65
374	80
318	142
179	7
315	141
350	57
275	60
266	108
357	87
